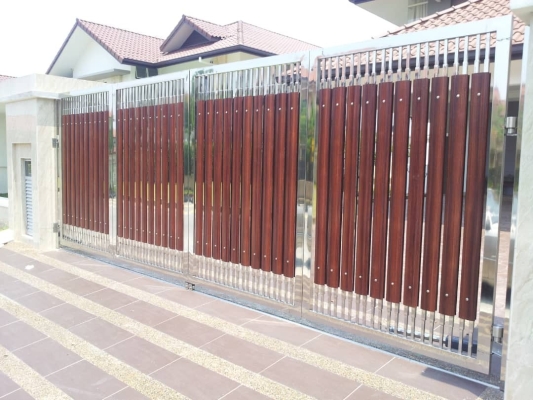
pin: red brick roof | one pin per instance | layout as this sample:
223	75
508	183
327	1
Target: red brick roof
473	10
5	77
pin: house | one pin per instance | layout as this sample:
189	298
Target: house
98	52
3	155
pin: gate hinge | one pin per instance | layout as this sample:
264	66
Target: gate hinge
497	333
55	227
55	143
511	126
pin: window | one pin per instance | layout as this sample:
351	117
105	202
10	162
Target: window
417	9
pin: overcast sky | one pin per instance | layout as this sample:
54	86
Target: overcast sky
32	31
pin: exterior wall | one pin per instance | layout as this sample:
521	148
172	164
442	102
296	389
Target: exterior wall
3	154
222	59
94	60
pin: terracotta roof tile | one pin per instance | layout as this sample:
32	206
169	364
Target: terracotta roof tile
5	77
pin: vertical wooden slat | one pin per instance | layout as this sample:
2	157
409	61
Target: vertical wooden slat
86	170
336	161
102	136
150	173
180	177
79	150
94	161
366	181
137	172
322	187
246	207
435	182
105	137
381	190
208	210
455	162
144	168
217	176
291	186
268	182
98	172
64	170
199	203
157	159
236	172
90	154
475	185
415	199
128	172
74	164
280	146
352	122
172	147
257	181
164	174
402	106
83	156
124	170
226	182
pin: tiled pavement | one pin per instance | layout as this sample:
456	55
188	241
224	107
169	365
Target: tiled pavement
73	327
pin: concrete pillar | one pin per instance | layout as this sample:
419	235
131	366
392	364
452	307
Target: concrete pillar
519	372
30	125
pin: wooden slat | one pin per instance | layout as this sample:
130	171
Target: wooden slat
455	162
381	190
208	209
415	199
435	182
137	172
150	174
105	145
246	200
120	179
144	170
402	104
280	146
217	176
180	177
352	121
72	169
322	187
173	160
257	181
199	202
83	180
76	167
127	174
291	186
91	155
268	182
97	168
236	181
158	175
475	184
336	161
366	180
64	170
164	174
226	182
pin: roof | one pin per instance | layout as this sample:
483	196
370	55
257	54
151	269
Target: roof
131	47
5	77
472	10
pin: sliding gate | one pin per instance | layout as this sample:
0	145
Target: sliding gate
355	188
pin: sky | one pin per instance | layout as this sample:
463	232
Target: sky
32	31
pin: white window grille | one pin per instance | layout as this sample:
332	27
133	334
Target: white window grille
417	9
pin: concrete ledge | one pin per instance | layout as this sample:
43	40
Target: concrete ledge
523	9
6	236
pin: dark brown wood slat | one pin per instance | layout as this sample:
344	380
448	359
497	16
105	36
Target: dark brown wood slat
352	123
475	187
150	173
280	146
128	172
322	187
72	168
225	237
164	174
137	176
455	162
180	178
173	160
246	181
366	180
199	203
435	185
208	210
94	158
105	145
64	169
77	167
291	186
98	172
336	160
381	190
402	106
217	176
144	172
236	165
158	175
257	180
89	153
268	181
83	169
415	198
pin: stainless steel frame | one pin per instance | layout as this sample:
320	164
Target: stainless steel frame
350	316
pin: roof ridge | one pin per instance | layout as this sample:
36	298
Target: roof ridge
120	29
203	20
276	33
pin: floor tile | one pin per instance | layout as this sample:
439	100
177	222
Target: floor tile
283	330
310	380
142	355
100	333
18	334
24	263
127	394
6	385
5	278
248	355
6	318
150	285
16	289
431	380
110	298
83	381
229	312
146	313
194	381
47	356
244	393
57	276
65	256
18	395
349	353
364	393
114	273
39	301
81	287
67	315
186	298
189	331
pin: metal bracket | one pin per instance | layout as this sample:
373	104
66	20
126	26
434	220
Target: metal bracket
511	127
55	143
497	333
189	285
55	227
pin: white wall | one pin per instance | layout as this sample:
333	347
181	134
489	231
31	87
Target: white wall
222	59
3	153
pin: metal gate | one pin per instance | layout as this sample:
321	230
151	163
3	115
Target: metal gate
347	188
